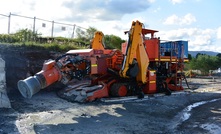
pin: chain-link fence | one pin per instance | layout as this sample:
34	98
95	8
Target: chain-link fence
46	28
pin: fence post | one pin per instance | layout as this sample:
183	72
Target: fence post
73	31
33	32
52	29
34	25
9	21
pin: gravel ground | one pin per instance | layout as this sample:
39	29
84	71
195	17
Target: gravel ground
194	111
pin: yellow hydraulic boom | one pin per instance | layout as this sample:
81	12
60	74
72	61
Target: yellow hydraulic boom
97	41
136	60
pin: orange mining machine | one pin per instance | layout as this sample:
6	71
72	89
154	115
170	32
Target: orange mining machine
144	66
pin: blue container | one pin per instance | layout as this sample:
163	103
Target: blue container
174	48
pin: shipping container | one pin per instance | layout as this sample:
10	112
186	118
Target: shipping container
174	48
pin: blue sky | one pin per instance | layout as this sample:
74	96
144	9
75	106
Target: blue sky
198	21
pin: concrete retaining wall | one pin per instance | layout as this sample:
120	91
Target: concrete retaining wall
4	100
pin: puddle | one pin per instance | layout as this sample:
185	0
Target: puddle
212	128
186	112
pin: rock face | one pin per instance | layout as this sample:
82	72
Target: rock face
4	101
19	62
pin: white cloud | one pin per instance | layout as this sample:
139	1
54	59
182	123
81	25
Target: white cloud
40	8
202	40
187	19
157	10
109	16
171	20
219	33
176	1
151	1
175	20
47	10
199	39
104	10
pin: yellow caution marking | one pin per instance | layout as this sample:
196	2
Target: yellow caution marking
93	65
152	71
153	81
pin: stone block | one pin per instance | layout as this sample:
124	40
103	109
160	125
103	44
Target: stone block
2	77
4	100
2	65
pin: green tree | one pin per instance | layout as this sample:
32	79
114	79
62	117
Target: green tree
198	54
90	32
189	56
110	41
7	38
113	41
219	57
85	35
204	63
25	35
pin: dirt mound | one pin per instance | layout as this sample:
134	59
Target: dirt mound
21	62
